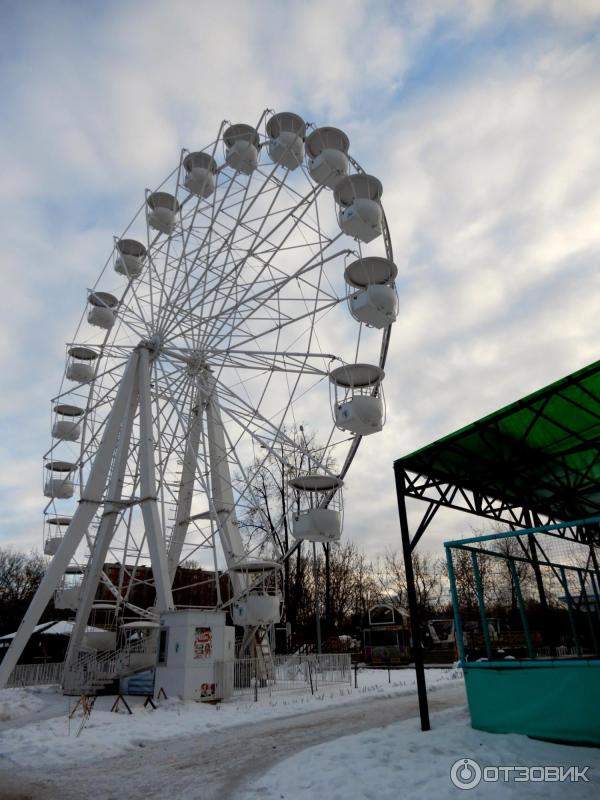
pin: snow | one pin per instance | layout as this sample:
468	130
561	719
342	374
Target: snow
15	703
45	743
62	627
37	629
377	762
401	761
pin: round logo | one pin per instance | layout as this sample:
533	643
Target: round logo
465	773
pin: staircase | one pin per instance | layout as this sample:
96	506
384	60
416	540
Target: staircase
94	670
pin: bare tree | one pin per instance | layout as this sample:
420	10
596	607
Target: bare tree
503	582
353	589
429	575
267	518
20	576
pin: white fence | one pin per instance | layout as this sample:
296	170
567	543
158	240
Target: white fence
35	674
251	677
258	677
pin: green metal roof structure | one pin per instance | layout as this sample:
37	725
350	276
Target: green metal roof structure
541	453
538	457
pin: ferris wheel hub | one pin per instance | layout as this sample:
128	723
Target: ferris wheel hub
197	364
154	344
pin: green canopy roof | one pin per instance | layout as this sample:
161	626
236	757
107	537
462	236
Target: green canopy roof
541	452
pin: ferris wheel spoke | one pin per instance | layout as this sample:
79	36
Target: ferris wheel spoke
189	227
166	437
260	240
199	475
246	488
170	302
269	292
227	239
229	276
276	361
266	295
315	193
323	310
269	433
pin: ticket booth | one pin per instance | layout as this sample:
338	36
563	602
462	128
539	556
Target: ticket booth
195	648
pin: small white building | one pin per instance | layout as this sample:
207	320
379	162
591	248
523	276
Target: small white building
193	645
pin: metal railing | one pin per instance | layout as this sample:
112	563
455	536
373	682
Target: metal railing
244	677
94	669
259	677
35	674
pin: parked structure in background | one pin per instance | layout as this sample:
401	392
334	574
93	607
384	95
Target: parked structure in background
387	638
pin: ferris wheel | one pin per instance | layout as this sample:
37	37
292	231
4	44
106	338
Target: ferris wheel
252	292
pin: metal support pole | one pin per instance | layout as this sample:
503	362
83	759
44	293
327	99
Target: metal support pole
222	501
596	591
535	561
521	605
106	529
317	604
412	599
186	484
458	632
569	600
595	580
154	532
481	603
588	607
91	498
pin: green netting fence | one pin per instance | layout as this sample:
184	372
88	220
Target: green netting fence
527	594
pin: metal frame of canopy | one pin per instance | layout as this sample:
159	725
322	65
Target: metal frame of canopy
533	462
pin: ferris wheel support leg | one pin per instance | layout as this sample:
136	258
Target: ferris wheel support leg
106	528
186	487
88	505
154	532
221	485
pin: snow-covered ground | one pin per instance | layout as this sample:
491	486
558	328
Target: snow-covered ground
400	761
16	703
106	734
287	747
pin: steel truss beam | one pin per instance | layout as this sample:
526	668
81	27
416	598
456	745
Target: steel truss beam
439	494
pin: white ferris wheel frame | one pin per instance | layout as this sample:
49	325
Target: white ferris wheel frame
205	317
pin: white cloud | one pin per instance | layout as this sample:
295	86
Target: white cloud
490	188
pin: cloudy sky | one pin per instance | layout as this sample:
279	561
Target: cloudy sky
481	118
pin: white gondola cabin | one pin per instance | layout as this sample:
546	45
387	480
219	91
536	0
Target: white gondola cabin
327	151
262	602
316	508
67	593
359	404
80	364
130	255
360	212
55	528
66	427
286	139
241	148
200	171
59	483
162	211
102	313
373	299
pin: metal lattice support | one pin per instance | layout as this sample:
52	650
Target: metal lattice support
495	595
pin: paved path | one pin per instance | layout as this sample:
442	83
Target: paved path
214	765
